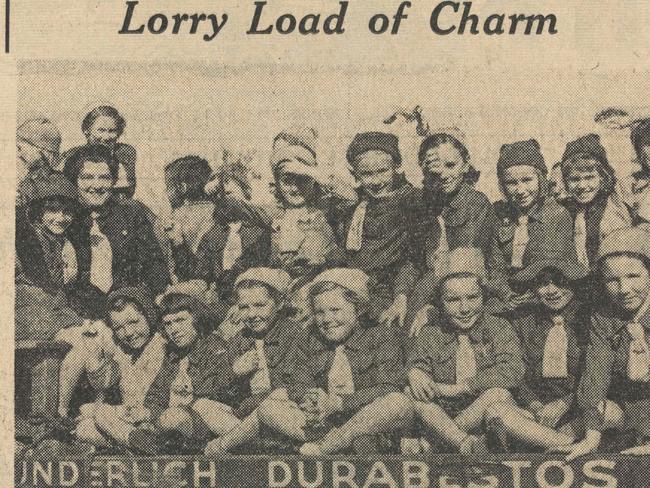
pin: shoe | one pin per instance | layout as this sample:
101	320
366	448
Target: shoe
473	445
146	442
498	437
311	449
215	448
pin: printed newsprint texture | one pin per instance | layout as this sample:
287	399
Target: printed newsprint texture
238	84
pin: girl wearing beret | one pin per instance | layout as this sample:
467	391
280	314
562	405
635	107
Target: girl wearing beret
596	210
450	213
553	336
616	379
528	218
190	399
261	354
466	360
345	389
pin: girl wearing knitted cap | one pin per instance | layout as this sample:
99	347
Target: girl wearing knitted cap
596	210
120	369
261	354
615	386
347	378
190	400
553	335
466	360
528	217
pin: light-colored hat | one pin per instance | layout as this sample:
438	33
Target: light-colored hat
277	279
194	288
635	240
297	135
286	153
40	133
351	279
460	260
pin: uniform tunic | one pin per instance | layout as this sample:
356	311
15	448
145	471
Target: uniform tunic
499	362
605	375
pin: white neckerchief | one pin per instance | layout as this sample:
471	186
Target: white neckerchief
340	380
233	248
580	237
554	360
260	381
181	392
69	258
355	232
465	360
519	242
638	362
101	260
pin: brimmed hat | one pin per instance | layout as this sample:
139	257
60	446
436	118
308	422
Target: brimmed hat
635	240
351	279
588	145
285	153
141	297
40	133
460	260
567	264
53	186
194	288
521	153
374	141
277	279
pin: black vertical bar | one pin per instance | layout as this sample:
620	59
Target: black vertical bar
7	9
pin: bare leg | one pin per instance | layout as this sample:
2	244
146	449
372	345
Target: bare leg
177	419
437	420
386	414
284	417
72	367
218	417
108	422
472	417
87	431
525	429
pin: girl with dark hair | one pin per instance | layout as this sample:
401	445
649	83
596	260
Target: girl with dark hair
528	217
190	398
615	386
636	189
595	208
47	256
103	126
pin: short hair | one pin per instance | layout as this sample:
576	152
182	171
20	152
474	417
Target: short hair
103	111
278	297
178	302
434	140
586	162
54	204
350	296
93	153
193	171
542	181
465	274
120	304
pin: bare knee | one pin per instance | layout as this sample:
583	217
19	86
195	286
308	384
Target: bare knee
86	431
397	403
175	419
496	395
497	411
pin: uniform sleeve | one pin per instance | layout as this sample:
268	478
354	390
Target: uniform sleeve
153	263
389	373
508	369
218	375
239	210
420	350
596	377
302	377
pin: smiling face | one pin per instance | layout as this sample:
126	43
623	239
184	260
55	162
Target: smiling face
461	301
130	327
257	308
627	281
584	182
375	171
553	291
521	186
445	166
180	328
95	183
295	190
335	316
57	217
104	131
